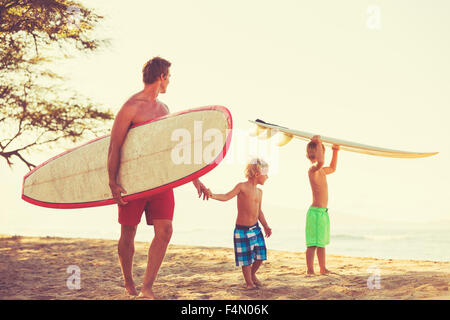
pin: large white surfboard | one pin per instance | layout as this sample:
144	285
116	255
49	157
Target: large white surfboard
156	155
266	130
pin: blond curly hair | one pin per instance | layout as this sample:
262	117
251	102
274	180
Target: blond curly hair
254	167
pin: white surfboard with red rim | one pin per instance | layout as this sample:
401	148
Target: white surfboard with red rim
163	153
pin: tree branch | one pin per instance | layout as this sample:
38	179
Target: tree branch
38	114
8	155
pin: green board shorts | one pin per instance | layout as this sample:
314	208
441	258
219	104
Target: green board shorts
317	227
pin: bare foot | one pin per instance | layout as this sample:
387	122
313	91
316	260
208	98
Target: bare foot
256	281
325	271
147	293
310	273
250	286
130	289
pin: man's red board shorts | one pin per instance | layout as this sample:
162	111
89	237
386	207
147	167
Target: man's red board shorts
157	206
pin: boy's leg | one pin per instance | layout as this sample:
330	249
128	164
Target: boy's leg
321	258
255	267
310	251
247	271
260	255
125	250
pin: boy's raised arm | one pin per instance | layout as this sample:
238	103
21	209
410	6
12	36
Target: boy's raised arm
333	163
227	196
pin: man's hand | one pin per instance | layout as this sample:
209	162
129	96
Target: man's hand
201	189
336	147
117	191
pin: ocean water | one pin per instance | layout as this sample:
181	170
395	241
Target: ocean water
380	241
206	224
411	242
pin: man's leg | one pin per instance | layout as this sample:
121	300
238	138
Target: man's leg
126	252
156	253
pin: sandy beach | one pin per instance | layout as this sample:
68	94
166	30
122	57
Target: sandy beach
39	268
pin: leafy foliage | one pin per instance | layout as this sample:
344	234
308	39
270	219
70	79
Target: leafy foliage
35	108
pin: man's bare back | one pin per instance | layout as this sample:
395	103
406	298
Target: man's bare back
144	109
139	108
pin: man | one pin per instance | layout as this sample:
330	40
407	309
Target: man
159	208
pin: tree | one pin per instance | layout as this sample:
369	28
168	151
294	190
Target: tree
36	111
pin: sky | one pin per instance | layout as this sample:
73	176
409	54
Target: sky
373	72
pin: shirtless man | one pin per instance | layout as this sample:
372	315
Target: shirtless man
317	220
159	208
249	245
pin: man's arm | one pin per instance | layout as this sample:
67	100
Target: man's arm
201	189
119	131
333	163
229	195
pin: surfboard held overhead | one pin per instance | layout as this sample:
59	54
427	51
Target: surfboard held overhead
266	130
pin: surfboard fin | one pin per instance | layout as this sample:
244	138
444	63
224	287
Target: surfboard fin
269	134
258	131
285	139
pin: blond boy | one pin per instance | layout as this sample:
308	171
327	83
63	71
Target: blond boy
317	229
249	245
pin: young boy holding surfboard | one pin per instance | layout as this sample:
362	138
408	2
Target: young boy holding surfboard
317	228
249	245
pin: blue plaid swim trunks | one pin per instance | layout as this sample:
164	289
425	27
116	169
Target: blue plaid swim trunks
249	245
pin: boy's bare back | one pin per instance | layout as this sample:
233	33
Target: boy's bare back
319	187
248	204
249	197
317	173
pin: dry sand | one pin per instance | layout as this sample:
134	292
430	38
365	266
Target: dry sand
37	268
